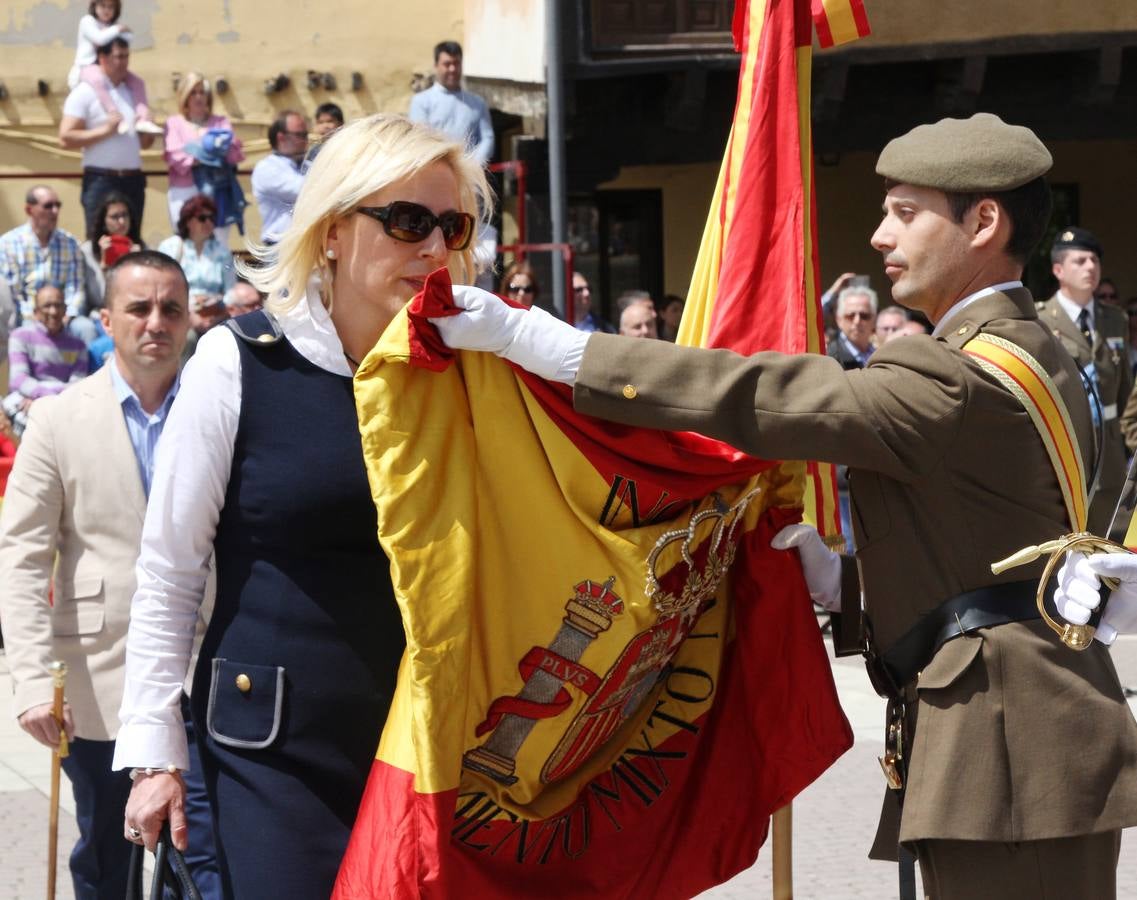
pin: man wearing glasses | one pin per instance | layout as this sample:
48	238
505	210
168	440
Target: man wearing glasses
277	177
586	318
856	319
39	253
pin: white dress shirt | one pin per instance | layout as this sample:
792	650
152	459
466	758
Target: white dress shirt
1001	288
191	476
1074	309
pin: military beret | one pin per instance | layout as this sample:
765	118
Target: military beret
1074	238
982	153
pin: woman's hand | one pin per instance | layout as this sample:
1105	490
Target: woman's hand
154	799
105	242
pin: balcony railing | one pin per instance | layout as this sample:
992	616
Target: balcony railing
623	27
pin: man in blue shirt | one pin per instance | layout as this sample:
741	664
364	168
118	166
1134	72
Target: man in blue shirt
458	114
277	178
71	524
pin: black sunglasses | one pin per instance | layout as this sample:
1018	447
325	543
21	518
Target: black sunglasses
205	217
522	289
412	222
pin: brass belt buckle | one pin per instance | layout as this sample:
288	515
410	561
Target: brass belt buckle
893	747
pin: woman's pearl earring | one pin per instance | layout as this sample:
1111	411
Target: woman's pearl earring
331	254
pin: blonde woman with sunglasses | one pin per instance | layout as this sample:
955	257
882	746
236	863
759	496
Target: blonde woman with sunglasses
262	470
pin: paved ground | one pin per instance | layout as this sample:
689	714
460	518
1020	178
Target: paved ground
833	820
25	785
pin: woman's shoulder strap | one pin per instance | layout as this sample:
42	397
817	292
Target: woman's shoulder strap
259	328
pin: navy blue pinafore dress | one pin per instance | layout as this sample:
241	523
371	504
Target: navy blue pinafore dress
298	665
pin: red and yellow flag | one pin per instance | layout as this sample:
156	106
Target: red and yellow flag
608	671
611	681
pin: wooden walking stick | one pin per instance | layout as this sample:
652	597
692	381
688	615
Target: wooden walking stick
783	861
58	677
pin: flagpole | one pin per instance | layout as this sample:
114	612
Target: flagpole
783	860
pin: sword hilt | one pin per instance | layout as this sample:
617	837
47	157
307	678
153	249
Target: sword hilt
1076	637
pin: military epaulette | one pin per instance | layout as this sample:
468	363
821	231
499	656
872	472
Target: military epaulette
259	327
1022	375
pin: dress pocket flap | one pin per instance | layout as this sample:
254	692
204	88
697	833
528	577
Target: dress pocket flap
950	662
245	704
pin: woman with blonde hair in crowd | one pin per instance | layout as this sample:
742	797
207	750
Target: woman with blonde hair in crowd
261	465
195	125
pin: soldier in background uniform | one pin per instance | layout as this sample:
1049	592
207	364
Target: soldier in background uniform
1097	336
1023	768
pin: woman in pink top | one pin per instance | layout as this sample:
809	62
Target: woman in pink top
195	118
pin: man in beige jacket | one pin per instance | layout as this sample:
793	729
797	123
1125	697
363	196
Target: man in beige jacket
70	530
1023	768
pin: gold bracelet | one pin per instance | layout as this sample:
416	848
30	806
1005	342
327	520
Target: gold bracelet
171	769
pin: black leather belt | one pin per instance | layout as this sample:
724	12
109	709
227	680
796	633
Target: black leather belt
997	604
116	173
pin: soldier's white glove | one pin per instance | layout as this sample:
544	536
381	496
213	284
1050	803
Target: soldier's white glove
1077	594
533	339
822	567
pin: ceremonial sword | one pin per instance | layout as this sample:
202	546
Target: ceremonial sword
1079	637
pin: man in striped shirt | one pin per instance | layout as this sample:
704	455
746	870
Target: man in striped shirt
42	358
38	253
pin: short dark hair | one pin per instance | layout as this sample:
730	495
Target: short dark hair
195	206
117	10
147	259
280	125
329	109
451	48
1028	208
105	49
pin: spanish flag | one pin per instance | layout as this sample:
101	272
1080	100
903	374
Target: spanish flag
611	681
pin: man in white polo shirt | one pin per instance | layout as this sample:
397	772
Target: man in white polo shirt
112	145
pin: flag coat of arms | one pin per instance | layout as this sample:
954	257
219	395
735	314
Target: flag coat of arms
611	680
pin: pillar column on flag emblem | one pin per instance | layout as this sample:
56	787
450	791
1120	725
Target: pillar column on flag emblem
588	614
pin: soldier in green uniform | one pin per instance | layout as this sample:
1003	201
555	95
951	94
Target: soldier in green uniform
1022	769
1097	336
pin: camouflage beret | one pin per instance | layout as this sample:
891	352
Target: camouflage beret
982	153
1074	238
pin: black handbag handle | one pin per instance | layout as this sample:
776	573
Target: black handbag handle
170	871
